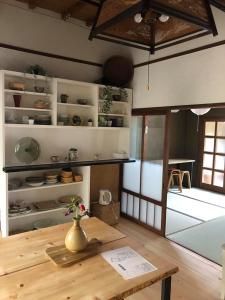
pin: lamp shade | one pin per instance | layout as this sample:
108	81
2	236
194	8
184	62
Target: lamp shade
200	111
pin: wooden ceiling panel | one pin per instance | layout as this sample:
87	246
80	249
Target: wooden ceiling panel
112	8
76	8
195	8
141	33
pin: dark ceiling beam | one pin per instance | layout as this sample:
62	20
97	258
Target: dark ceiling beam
217	4
211	18
121	42
152	38
91	2
69	11
180	41
32	4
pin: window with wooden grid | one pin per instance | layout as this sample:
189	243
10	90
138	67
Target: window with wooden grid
213	155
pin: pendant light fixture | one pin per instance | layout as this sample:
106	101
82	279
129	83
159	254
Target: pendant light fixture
152	24
200	112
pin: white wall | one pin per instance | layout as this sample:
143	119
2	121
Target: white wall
45	31
192	79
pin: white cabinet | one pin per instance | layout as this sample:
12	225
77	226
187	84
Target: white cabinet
55	137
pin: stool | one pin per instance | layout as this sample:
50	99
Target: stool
175	173
187	173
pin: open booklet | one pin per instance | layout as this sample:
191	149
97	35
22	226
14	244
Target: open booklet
128	262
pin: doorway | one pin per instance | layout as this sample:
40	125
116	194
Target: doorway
196	214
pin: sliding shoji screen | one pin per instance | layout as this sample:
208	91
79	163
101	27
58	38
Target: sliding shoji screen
143	196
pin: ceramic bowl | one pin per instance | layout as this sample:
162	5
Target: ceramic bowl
82	101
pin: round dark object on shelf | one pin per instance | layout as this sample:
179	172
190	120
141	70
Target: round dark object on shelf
118	71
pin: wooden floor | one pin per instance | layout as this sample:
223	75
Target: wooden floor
198	278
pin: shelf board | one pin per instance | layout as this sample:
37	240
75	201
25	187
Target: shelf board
35	213
44	186
8	91
113	115
25	108
75	105
8	125
116	102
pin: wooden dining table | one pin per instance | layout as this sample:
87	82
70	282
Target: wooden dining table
26	273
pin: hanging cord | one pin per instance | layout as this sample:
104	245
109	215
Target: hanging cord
148	85
198	123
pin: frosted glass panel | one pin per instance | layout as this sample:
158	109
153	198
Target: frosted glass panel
136	208
150	214
208	161
158	217
152	168
152	175
210	128
143	211
130	204
221	128
206	176
124	203
219	162
218	179
209	145
220	145
131	175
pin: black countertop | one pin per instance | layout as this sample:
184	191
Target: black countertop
58	165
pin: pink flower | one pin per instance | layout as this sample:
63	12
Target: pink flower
82	207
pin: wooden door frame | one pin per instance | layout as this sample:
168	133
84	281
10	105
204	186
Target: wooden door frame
201	151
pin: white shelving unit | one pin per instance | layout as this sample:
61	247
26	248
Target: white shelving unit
89	140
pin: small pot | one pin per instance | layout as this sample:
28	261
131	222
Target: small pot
64	98
17	100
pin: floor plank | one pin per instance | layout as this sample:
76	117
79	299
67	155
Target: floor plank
198	278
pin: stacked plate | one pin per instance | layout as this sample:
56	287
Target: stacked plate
43	120
51	178
16	210
66	176
35	181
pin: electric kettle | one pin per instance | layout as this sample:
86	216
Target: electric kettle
105	197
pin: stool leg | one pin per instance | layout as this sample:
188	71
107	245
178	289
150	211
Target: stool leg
180	182
189	180
170	181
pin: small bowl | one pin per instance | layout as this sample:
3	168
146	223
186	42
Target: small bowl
39	89
82	101
55	158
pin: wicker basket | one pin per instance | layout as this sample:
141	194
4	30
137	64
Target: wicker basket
109	214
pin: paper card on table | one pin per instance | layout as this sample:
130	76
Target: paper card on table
128	262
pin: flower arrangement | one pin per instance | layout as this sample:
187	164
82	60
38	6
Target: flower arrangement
76	207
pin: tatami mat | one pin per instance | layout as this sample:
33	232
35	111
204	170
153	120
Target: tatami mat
202	195
205	239
194	208
176	221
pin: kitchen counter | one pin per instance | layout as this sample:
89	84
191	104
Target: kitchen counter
63	164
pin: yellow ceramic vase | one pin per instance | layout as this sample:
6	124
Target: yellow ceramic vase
76	239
